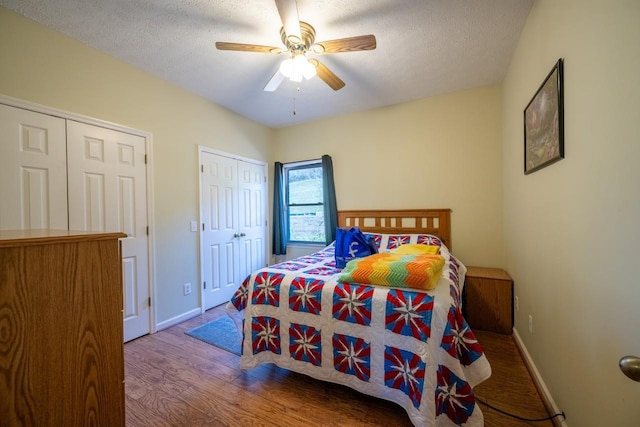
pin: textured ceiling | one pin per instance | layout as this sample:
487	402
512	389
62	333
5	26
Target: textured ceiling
424	48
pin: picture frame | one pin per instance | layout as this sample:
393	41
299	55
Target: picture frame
544	123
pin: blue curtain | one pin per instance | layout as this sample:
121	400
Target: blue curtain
279	221
329	202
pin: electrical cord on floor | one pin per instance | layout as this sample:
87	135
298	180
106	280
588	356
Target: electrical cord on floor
535	420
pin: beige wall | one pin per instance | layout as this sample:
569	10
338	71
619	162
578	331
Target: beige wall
571	230
45	67
440	152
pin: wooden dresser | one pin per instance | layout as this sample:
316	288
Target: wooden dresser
488	299
61	329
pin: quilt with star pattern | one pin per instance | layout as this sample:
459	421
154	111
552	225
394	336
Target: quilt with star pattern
408	346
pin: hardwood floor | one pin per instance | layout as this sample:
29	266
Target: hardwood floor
172	379
510	386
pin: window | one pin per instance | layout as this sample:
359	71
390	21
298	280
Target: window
304	202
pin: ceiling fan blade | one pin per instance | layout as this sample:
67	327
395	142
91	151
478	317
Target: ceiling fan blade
275	81
288	10
349	44
247	47
327	76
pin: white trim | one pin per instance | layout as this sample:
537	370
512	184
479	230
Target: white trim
547	399
307	245
178	319
291	165
68	115
210	150
201	150
151	223
148	137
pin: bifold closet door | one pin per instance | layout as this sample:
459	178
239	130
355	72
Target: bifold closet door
233	214
220	238
33	170
107	193
252	211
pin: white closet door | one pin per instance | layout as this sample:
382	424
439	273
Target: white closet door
252	222
219	236
107	192
33	170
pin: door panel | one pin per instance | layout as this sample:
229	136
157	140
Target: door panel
107	192
33	170
131	300
94	203
127	203
219	206
252	209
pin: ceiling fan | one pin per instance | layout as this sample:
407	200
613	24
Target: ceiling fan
298	38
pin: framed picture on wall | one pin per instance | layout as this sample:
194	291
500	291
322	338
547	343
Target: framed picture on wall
544	123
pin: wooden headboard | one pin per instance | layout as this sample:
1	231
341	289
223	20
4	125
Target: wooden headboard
408	221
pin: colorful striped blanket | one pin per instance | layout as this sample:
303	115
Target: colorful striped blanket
418	271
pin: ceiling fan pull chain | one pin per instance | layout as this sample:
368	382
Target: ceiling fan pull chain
294	102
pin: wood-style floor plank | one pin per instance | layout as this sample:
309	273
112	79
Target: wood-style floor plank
172	379
510	386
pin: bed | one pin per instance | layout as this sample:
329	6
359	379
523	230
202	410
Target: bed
408	346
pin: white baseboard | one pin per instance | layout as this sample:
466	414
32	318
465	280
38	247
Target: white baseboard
178	319
547	399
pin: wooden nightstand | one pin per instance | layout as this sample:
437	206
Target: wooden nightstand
488	299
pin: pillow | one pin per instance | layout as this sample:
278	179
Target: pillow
415	248
420	271
387	242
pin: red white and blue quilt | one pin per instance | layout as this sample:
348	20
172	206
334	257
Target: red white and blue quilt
411	347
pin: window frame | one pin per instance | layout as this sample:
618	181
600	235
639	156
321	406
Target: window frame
286	168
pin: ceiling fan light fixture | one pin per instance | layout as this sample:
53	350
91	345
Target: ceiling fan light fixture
308	70
286	67
297	67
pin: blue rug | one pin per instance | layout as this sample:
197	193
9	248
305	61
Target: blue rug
221	332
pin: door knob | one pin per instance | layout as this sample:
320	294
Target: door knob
242	234
630	366
236	235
